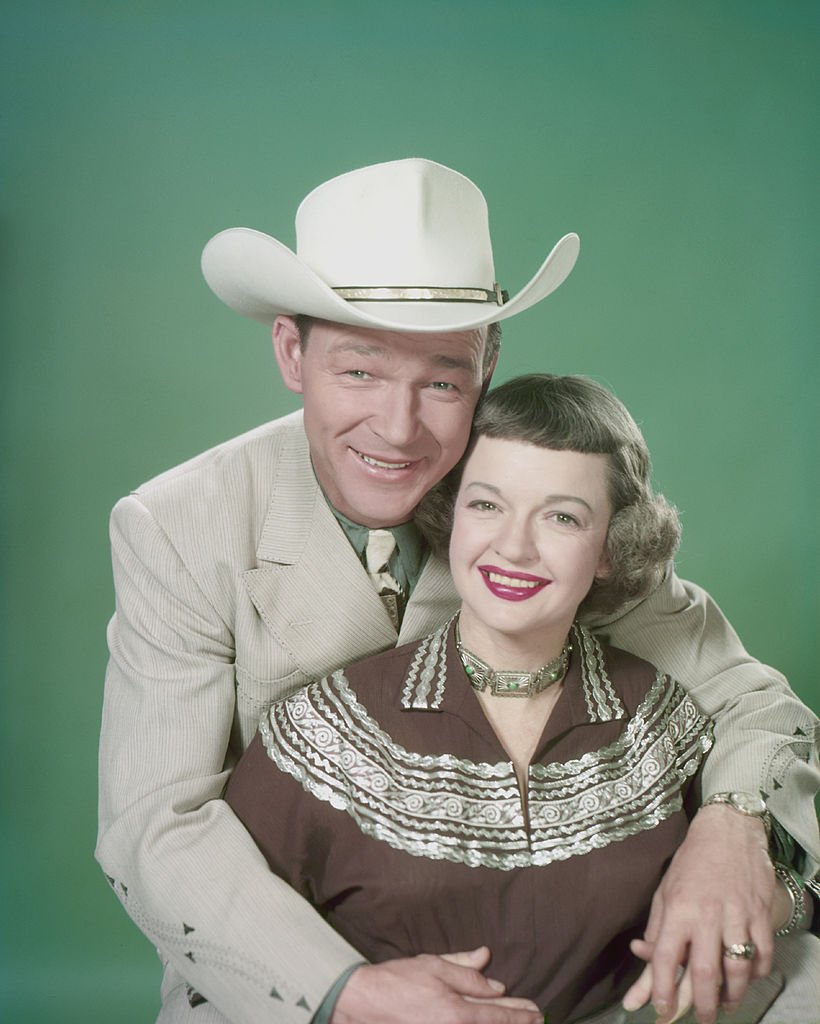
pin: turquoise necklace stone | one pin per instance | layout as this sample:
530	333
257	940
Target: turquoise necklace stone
511	684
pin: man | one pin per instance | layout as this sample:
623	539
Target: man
244	573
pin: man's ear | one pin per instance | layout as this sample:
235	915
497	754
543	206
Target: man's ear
287	348
489	376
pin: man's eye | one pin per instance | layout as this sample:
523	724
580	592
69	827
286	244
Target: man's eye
357	374
442	385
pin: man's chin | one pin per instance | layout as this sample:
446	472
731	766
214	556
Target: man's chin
380	515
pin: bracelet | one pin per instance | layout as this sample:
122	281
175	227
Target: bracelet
795	891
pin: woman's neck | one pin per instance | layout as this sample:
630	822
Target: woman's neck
512	651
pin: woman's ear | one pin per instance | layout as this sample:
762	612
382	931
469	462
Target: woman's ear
287	348
604	568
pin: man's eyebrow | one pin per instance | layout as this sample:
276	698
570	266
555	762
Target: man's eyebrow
361	348
447	362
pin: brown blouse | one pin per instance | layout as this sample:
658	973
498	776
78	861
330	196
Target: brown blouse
383	795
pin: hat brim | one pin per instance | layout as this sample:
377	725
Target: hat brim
259	277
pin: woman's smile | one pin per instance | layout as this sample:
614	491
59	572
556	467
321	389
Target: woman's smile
510	585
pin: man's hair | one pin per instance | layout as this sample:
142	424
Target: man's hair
491	347
577	414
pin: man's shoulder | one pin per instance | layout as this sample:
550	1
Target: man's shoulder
631	676
219	499
254	453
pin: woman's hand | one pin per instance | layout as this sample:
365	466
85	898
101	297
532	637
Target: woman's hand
641	992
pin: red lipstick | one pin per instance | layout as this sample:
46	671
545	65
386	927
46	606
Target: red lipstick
512	586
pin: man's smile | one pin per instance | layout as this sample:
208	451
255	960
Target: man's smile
381	463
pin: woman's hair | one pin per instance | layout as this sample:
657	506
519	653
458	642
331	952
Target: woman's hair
576	414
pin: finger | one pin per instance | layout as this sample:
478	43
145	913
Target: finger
639	993
738	974
642	949
459	972
669	954
736	977
476	958
684	997
761	935
509	1002
706	970
653	925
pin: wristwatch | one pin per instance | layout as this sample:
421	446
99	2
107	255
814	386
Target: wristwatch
747	803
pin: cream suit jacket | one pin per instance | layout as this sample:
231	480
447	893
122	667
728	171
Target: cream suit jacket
235	586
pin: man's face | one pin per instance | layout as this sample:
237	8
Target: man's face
387	414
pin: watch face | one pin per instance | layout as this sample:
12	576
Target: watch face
748	803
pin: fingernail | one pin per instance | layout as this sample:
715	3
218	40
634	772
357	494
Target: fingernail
497	986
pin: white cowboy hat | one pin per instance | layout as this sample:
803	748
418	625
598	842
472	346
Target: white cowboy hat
403	245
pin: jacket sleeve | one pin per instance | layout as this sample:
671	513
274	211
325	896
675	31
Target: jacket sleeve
183	866
765	738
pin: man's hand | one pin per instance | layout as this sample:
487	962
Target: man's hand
718	890
416	990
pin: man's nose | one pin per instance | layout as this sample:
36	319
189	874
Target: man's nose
397	420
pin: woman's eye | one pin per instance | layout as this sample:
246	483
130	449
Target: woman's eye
565	519
483	506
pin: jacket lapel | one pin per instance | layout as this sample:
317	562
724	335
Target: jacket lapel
434	600
310	589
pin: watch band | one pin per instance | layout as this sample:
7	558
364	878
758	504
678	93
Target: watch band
744	803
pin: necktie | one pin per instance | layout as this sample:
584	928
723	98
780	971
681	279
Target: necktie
380	546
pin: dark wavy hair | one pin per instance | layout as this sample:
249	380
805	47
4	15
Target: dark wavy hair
577	414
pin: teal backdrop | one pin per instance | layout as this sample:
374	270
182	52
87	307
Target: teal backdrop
680	139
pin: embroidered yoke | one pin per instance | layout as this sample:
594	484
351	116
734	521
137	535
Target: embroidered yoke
383	795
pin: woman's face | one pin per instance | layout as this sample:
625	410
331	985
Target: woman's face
529	536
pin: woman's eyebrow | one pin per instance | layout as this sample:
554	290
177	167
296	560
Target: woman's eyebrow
481	483
569	497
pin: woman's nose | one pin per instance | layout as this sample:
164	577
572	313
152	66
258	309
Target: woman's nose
515	542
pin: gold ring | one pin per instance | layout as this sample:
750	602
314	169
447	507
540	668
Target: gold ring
740	951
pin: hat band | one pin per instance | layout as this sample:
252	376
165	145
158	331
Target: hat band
497	295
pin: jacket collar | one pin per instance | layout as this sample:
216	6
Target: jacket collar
310	588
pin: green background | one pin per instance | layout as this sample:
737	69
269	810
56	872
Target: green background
680	139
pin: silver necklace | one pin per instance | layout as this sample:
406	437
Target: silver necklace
511	684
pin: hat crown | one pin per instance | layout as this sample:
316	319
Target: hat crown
404	223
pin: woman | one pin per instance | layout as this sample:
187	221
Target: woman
507	780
